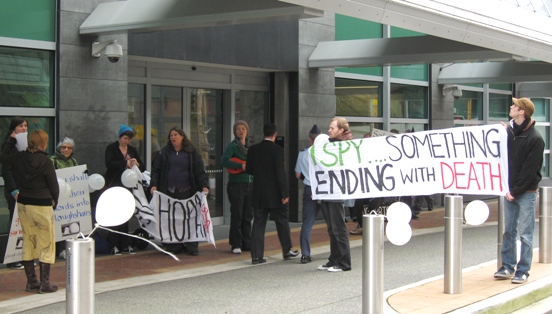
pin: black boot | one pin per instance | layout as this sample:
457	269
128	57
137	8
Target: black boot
45	286
32	282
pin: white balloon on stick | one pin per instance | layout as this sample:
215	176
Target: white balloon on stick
399	212
115	207
129	178
68	190
62	186
398	233
476	213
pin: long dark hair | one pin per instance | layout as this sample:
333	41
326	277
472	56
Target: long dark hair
187	145
13	124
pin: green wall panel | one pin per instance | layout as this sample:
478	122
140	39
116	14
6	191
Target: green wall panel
28	19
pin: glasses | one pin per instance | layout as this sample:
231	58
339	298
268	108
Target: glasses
67	147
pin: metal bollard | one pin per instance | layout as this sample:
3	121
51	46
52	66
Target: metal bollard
453	244
80	267
372	264
545	225
500	232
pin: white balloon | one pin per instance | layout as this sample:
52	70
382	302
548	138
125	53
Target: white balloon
62	186
399	212
115	207
129	178
96	182
476	213
398	233
74	228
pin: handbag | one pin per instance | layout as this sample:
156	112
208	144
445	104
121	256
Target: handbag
236	171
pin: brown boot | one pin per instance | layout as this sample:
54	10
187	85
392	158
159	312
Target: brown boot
45	286
32	282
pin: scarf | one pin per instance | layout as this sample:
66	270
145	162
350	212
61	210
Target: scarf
241	147
519	128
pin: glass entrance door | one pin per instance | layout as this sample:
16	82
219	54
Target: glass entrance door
204	126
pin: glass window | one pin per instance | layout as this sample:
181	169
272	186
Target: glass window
409	101
137	119
499	106
358	98
166	112
360	129
27	78
544	131
542	107
416	72
252	107
407	127
507	87
469	107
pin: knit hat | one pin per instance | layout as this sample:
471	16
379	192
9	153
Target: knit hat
124	128
314	131
525	104
240	122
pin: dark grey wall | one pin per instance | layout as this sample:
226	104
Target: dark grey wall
92	91
271	45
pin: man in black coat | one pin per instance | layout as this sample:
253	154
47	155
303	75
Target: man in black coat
265	161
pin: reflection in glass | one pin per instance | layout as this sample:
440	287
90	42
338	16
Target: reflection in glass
137	119
499	106
166	112
360	129
469	107
542	107
409	101
27	78
358	98
252	107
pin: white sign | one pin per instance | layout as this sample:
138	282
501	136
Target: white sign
73	213
467	160
14	249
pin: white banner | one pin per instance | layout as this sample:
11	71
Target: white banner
73	213
467	160
170	220
14	249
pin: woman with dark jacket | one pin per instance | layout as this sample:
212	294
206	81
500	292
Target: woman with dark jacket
120	156
17	125
178	171
38	195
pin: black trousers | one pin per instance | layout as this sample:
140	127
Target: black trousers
241	214
281	218
340	251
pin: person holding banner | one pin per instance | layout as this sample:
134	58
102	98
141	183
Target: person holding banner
239	189
334	212
525	157
63	158
17	125
310	206
120	156
38	196
178	172
265	161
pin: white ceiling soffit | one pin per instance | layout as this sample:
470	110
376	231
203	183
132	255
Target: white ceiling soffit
486	23
495	72
154	15
398	51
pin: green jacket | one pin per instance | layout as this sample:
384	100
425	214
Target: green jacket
233	151
61	162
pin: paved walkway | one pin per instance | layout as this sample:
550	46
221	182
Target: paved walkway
479	289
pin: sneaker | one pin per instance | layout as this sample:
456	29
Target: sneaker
63	254
236	250
503	273
15	266
357	231
128	250
115	251
519	277
325	266
335	269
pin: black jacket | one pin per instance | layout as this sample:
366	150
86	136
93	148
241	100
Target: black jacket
525	157
9	181
160	168
34	174
116	163
265	161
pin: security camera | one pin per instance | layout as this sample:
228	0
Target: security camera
113	51
453	89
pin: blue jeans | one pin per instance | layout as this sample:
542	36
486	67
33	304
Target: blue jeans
310	211
519	216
